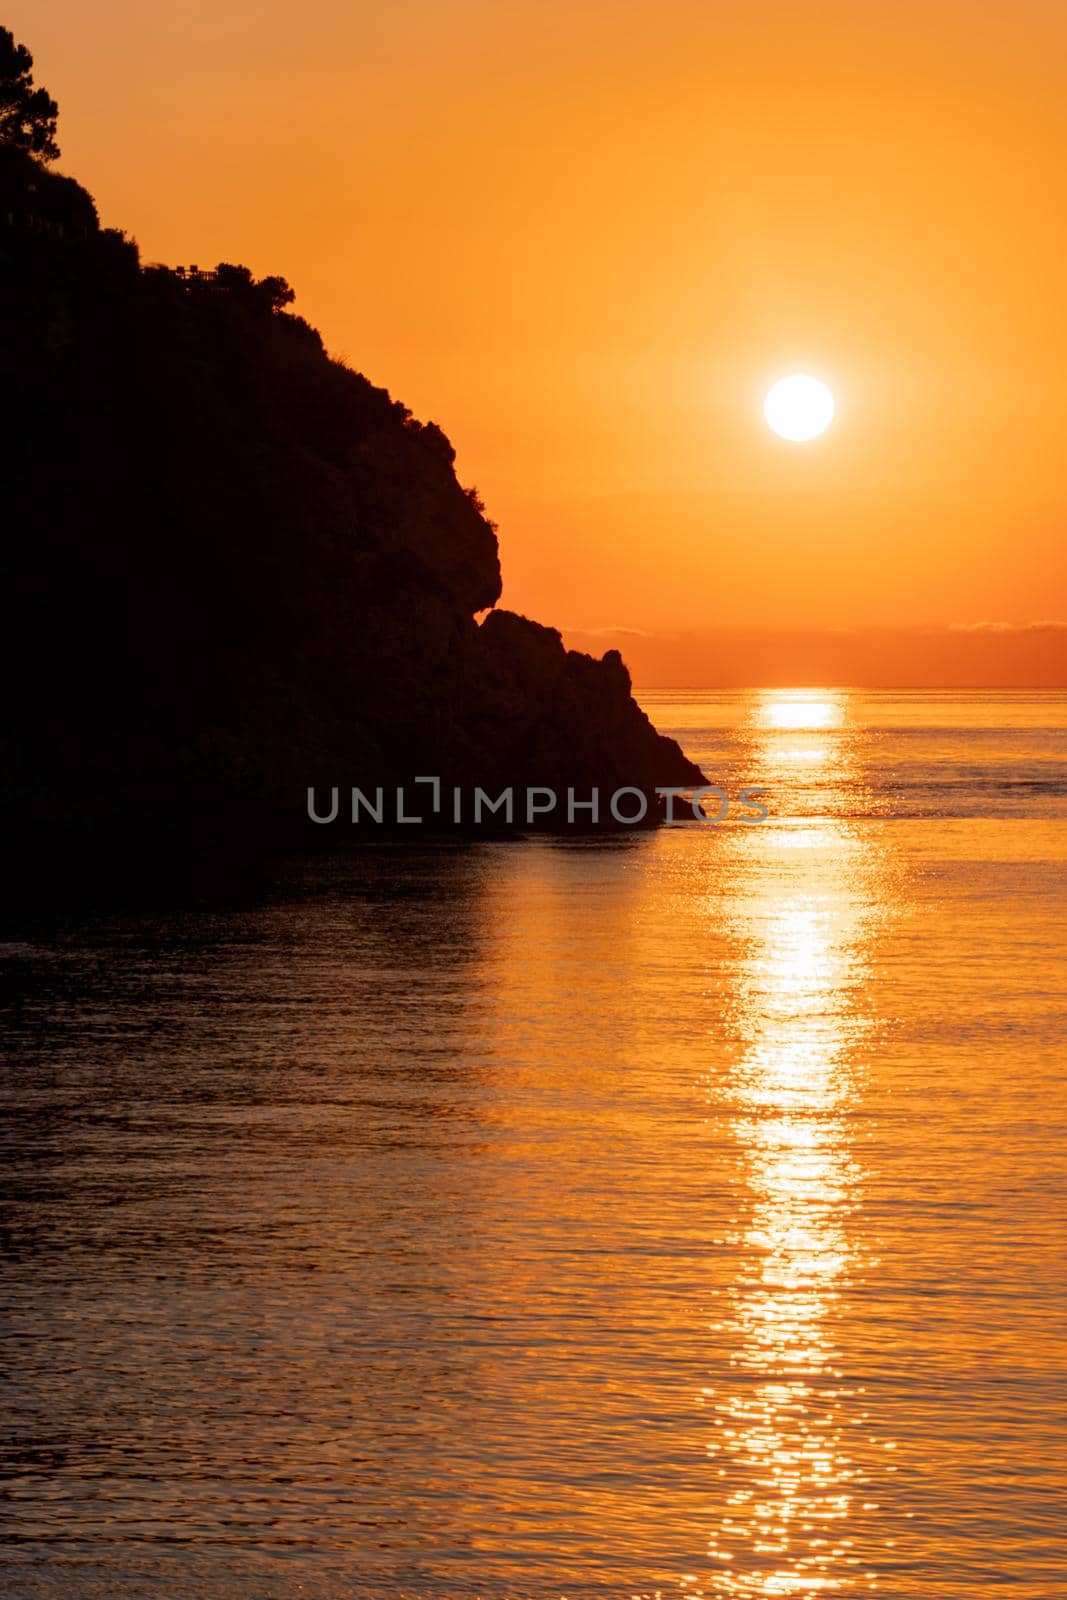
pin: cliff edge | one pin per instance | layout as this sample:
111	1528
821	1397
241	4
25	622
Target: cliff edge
234	568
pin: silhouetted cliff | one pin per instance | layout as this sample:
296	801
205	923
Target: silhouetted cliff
232	567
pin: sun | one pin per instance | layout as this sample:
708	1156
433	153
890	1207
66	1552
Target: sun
799	408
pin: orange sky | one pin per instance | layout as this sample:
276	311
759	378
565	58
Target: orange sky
586	236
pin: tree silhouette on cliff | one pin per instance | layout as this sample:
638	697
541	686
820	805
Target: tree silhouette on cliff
27	114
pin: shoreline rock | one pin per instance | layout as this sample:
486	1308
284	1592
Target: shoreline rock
235	568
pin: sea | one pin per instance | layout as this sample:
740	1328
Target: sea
679	1213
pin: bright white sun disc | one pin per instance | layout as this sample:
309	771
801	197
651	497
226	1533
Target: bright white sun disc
799	407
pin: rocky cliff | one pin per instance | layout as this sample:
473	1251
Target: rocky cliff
233	567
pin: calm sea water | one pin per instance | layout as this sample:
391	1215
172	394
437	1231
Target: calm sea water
679	1214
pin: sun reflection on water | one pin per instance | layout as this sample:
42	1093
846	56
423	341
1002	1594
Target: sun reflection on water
800	708
784	1423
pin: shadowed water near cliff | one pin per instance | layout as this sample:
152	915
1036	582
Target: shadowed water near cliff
672	1214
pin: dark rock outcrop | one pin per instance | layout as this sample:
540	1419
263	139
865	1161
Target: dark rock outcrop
232	567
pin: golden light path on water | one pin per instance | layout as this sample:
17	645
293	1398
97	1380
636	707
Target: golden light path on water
784	1425
802	709
566	1217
